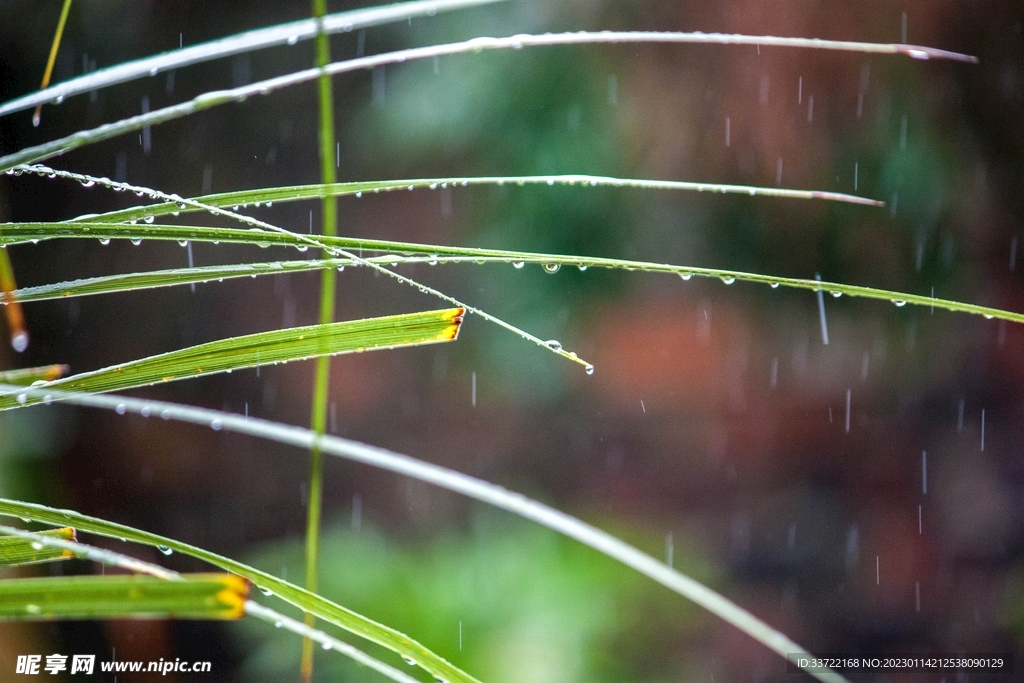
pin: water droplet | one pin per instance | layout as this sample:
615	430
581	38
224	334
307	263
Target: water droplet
773	285
165	414
409	660
987	316
582	268
359	194
918	54
266	591
19	341
836	293
165	550
216	424
589	369
552	267
728	279
147	218
135	240
518	264
36	545
326	645
685	275
104	240
278	624
47	399
302	247
121	408
553	344
899	302
182	243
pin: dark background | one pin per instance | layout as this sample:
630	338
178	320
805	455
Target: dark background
715	423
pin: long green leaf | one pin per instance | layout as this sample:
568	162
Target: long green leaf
270	195
17	551
195	596
216	98
277	346
301	598
13	233
249	41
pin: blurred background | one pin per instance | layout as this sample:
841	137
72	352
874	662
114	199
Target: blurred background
718	431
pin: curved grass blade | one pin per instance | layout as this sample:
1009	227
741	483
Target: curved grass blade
249	41
55	540
13	233
27	376
277	346
471	487
300	192
301	598
215	98
192	596
16	551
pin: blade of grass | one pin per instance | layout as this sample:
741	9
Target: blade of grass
215	98
53	57
22	232
194	596
472	487
18	551
55	540
249	41
318	243
301	192
277	346
318	416
300	597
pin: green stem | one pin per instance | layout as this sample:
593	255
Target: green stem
323	364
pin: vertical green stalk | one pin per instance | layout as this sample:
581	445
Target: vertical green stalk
318	420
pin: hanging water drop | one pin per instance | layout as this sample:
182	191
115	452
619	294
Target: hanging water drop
552	267
266	591
518	264
165	549
121	409
135	240
728	279
899	302
553	344
686	276
216	425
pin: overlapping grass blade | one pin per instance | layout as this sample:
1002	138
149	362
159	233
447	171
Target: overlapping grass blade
249	41
18	551
12	233
51	539
215	98
301	598
457	482
271	195
277	346
194	596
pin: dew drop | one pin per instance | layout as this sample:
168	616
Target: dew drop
552	267
47	399
302	247
773	285
145	411
409	660
19	341
899	302
166	415
135	240
686	276
216	425
987	316
728	279
182	243
165	550
582	268
278	624
266	591
589	369
121	408
518	264
836	294
104	241
326	645
36	545
147	219
553	344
